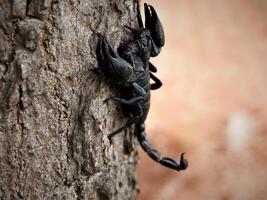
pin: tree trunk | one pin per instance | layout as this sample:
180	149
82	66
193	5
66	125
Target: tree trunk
53	121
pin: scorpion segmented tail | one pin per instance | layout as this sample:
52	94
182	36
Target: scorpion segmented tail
155	155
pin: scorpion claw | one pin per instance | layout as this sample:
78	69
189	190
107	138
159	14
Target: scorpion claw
154	25
110	139
112	64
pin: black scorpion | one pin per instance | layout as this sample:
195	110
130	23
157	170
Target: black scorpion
129	68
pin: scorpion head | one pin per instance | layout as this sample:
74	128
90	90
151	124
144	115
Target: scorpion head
142	35
152	34
117	69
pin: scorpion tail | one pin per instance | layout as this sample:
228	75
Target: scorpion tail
154	154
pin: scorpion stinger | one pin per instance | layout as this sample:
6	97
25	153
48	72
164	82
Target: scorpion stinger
155	155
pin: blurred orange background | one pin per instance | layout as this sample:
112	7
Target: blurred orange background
213	102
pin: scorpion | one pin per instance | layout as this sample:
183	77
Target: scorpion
130	70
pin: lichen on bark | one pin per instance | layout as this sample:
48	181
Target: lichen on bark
53	122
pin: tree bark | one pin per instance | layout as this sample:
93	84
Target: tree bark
53	121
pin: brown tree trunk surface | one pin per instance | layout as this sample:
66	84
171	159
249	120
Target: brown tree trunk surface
53	122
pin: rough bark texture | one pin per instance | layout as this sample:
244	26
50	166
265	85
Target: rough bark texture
53	122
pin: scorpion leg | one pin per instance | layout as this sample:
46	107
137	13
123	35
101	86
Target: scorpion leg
152	67
157	83
167	162
130	102
133	101
132	120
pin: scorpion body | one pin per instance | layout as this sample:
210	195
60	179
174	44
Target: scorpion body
129	68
